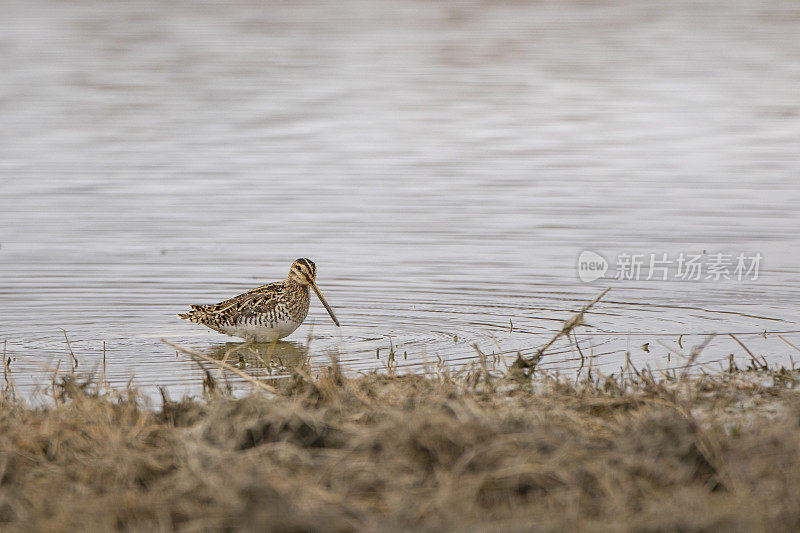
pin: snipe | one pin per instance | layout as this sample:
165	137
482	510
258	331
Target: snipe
266	313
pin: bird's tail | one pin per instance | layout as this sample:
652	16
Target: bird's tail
194	315
198	314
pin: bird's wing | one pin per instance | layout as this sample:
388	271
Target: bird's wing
270	289
258	301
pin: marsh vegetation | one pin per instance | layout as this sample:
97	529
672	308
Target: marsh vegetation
515	452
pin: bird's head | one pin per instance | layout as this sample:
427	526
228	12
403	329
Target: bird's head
304	272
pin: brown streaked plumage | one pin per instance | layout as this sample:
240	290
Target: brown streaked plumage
266	313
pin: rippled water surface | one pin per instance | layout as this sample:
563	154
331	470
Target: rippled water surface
443	163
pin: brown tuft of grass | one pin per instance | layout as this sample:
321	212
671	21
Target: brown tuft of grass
380	452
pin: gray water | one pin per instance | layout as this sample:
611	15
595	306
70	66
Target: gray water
444	163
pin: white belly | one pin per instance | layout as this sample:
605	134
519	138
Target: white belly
262	333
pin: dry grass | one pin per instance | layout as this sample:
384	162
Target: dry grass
412	453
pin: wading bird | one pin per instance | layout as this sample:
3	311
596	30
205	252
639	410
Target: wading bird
266	313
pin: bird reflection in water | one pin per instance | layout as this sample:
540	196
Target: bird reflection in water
280	357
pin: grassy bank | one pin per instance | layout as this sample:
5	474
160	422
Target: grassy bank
411	453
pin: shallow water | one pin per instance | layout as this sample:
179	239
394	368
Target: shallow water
443	163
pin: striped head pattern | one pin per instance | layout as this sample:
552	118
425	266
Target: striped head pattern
303	270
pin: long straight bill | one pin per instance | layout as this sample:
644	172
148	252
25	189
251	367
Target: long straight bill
322	299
